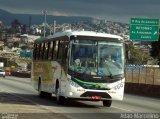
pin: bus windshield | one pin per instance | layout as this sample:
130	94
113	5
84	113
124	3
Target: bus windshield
97	57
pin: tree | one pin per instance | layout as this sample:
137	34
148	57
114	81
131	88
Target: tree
16	44
12	63
155	50
11	31
138	56
24	29
16	25
1	26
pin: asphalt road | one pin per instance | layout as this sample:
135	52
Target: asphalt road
22	98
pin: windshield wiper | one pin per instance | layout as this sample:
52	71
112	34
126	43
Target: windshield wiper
118	76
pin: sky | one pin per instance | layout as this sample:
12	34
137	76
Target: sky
115	10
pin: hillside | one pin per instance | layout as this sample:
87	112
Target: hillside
7	18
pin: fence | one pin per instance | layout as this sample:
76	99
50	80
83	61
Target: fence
143	74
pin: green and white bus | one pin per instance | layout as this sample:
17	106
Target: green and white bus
81	65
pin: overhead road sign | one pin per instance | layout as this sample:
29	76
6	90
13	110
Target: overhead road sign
145	29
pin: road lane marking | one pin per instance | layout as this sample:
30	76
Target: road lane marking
45	108
31	101
123	109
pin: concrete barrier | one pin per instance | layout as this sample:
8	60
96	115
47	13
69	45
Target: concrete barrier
21	74
143	89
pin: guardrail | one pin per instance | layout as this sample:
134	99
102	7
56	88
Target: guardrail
143	80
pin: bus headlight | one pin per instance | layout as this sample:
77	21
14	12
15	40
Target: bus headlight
70	93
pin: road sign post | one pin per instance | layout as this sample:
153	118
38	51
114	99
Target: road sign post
144	29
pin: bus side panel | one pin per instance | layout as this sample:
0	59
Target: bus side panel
63	82
56	72
43	70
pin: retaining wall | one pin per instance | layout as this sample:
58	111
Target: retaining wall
143	89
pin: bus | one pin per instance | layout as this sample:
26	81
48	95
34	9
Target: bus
80	65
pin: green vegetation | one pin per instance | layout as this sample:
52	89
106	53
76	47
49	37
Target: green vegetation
155	51
139	56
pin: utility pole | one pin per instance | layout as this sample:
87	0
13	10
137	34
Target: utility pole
54	27
29	24
44	13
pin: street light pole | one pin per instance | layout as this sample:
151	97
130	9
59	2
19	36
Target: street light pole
54	27
45	13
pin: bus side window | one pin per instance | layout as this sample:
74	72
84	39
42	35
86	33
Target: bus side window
65	52
60	49
45	54
35	51
50	51
39	51
53	46
42	51
48	48
55	50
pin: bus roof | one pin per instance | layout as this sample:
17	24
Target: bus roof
79	33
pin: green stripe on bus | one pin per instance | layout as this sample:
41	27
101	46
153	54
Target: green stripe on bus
90	84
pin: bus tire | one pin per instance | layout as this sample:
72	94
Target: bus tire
48	95
59	99
107	103
41	94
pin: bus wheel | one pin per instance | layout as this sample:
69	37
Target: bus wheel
48	95
107	103
59	99
41	94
